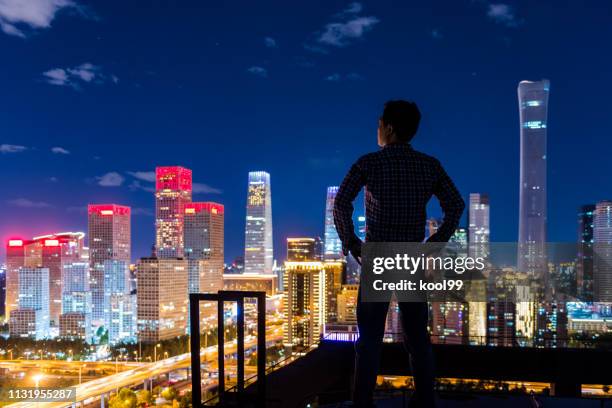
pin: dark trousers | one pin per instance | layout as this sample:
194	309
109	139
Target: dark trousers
371	318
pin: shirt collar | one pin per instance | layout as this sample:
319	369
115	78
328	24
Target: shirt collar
407	146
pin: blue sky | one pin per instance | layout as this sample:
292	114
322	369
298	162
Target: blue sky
94	95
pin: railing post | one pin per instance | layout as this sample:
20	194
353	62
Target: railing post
261	349
240	336
221	346
196	375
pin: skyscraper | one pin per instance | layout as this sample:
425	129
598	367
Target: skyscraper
584	264
15	259
75	320
301	249
204	246
533	110
119	307
32	315
602	252
49	251
2	291
258	255
306	302
333	245
53	252
162	298
109	239
172	192
478	231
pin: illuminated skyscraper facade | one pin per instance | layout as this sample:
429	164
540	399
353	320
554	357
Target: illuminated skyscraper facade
602	252
449	323
301	249
333	245
15	259
258	255
173	190
32	317
306	301
48	251
584	263
533	109
109	239
162	298
75	320
2	291
204	246
479	230
58	250
119	307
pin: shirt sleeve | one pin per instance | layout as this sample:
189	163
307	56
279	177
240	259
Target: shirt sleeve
343	207
452	205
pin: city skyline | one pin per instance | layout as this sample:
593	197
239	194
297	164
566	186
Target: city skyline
303	116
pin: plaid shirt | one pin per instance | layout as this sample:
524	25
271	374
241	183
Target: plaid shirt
399	182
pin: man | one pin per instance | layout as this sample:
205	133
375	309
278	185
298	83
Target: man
399	182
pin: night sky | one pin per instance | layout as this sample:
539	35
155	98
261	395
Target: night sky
94	95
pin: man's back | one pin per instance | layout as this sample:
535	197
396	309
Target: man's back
399	182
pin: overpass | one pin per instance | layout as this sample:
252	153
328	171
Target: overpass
90	391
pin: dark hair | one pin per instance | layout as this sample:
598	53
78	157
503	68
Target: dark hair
403	117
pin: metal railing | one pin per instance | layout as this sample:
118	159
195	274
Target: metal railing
194	320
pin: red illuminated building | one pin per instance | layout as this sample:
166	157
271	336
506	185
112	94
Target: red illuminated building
204	234
46	251
173	187
109	239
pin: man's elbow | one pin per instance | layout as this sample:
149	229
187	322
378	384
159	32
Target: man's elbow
461	206
455	208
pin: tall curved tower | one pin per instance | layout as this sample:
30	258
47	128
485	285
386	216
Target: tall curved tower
533	110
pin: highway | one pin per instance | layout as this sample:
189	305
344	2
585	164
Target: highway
133	376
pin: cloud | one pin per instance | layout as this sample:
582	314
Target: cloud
9	148
258	71
59	150
143	175
204	188
502	14
353	8
17	15
53	179
341	34
436	34
352	76
316	49
270	42
137	185
111	179
86	73
25	203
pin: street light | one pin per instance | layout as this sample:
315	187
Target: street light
155	351
37	379
70	352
